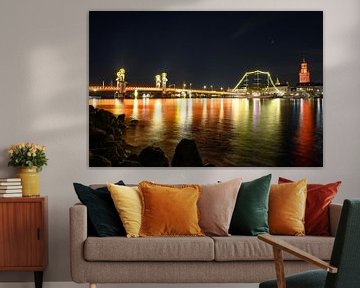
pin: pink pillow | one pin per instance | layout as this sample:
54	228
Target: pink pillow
216	206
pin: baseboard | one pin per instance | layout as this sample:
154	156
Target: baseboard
74	285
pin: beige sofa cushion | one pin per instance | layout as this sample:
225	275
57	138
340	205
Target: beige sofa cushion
149	249
243	248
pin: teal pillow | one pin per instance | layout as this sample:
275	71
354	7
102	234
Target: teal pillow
250	216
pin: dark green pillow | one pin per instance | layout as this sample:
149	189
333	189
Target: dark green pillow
250	216
103	218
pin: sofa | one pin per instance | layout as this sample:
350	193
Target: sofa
233	259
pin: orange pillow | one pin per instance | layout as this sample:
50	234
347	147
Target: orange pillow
169	210
287	204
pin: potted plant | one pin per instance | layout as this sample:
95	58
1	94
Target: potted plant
30	158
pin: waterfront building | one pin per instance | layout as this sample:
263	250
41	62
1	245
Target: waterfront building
284	88
305	86
304	73
278	89
312	89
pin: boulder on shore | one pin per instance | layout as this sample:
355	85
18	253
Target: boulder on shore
187	154
106	142
153	156
107	146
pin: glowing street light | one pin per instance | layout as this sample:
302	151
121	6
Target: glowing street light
184	92
204	87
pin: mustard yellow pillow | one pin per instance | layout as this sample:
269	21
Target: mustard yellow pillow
127	201
169	210
287	204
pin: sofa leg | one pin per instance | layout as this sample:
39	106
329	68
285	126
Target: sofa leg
92	285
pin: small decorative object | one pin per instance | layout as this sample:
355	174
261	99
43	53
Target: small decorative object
30	158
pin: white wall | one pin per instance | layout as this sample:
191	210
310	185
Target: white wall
43	89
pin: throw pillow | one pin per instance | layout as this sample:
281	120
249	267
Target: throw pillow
127	201
169	210
287	204
216	206
250	215
102	215
319	197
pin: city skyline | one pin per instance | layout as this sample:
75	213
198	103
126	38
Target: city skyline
194	48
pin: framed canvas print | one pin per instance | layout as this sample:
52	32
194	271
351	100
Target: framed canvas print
205	89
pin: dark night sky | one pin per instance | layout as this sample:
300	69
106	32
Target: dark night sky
204	48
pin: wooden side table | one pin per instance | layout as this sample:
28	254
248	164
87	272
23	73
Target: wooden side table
23	235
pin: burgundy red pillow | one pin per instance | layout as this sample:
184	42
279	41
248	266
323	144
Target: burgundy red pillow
319	197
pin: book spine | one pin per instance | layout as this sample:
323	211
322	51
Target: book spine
10	183
10	179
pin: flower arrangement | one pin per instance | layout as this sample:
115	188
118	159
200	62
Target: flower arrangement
27	155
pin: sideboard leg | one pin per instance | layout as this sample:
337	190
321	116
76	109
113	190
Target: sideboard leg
38	279
92	285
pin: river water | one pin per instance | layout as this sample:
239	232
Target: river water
228	131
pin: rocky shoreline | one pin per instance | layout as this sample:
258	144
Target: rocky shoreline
107	147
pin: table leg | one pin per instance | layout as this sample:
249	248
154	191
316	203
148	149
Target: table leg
38	279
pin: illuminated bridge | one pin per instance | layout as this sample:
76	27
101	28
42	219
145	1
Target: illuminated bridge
167	90
253	83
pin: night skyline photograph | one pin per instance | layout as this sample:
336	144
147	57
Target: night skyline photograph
205	88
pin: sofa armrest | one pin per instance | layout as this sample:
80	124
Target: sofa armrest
78	235
334	217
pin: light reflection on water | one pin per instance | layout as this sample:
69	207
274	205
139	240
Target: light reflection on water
228	131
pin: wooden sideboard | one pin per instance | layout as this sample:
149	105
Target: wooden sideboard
23	235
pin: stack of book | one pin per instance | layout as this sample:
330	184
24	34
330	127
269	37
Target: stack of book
10	187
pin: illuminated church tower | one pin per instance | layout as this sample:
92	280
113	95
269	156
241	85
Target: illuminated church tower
304	73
